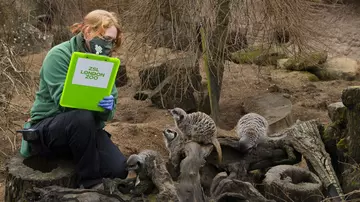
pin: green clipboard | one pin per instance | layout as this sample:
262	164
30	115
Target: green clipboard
89	79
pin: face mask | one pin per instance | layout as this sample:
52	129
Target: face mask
100	46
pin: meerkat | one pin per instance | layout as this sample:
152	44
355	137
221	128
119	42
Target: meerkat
251	128
149	164
198	127
174	142
135	166
172	138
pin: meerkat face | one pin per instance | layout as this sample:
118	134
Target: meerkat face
169	134
134	167
177	113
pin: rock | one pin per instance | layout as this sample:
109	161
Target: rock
273	88
336	111
342	68
29	40
245	56
306	62
280	63
312	77
286	95
257	55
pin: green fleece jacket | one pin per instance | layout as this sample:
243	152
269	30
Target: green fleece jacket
52	77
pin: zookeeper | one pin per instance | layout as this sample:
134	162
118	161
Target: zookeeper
74	133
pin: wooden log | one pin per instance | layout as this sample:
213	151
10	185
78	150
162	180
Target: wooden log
264	156
292	183
334	136
224	189
179	91
189	186
58	194
148	94
351	174
351	97
305	138
36	171
284	147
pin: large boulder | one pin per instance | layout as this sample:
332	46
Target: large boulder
342	68
28	39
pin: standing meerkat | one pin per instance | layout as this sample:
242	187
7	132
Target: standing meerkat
198	127
174	142
251	129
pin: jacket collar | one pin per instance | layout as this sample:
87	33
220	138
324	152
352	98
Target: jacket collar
80	41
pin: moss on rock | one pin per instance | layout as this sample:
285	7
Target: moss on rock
257	55
341	144
306	62
245	56
312	77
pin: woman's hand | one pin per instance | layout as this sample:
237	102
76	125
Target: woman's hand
107	103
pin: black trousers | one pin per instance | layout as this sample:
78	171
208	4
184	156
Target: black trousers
75	134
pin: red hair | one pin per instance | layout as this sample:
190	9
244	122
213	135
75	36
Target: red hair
98	21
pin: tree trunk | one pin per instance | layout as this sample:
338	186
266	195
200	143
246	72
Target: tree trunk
23	174
351	97
215	57
350	173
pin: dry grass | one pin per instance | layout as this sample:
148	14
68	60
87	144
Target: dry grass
14	77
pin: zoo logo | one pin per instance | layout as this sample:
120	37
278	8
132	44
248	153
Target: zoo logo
92	73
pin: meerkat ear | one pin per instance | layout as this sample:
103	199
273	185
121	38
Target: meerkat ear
181	117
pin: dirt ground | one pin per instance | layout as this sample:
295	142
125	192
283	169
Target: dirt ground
137	124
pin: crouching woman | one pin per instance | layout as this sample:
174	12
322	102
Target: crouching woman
79	134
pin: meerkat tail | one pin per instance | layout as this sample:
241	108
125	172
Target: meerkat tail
218	148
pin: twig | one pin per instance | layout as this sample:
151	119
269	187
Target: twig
12	65
12	144
1	151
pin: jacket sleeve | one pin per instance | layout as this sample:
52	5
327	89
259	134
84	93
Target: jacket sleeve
54	70
108	115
